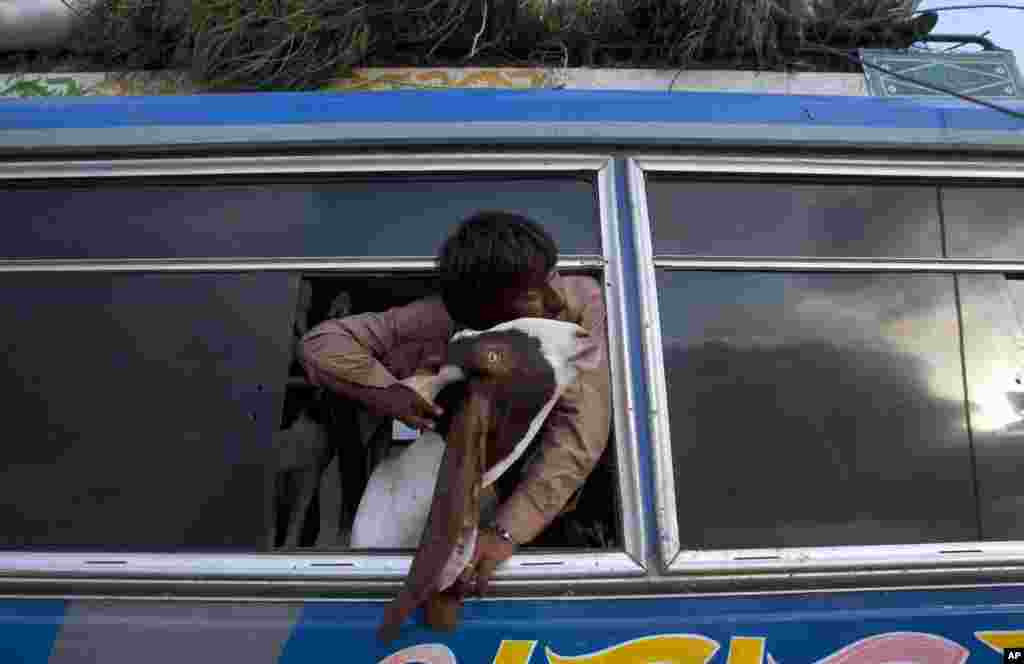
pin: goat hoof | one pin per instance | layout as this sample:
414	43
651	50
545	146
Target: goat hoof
442	612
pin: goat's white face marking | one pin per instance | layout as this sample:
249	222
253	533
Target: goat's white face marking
559	341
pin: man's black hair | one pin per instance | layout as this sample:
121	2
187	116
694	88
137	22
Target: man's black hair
489	251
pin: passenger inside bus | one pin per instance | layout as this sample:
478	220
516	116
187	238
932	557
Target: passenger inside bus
495	267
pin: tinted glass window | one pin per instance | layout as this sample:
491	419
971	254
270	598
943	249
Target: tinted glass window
387	217
993	311
140	408
768	219
984	222
816	409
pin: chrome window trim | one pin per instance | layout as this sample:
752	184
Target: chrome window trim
421	264
661	449
817	562
941	265
623	421
325	564
918	167
542	567
368	164
339	264
881	556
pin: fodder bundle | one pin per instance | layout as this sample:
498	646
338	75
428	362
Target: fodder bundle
299	44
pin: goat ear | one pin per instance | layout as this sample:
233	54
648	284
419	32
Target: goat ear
588	353
424	384
428	385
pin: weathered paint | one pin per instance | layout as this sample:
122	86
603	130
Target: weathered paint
172	632
912	627
379	79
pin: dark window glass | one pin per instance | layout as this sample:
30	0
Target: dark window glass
993	311
771	219
984	222
140	408
405	216
816	409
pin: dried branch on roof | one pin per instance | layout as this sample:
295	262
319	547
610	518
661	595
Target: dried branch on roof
299	44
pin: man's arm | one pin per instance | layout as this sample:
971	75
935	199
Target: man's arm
347	355
353	348
573	438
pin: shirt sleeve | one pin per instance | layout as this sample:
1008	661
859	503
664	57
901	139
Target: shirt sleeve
356	349
574	436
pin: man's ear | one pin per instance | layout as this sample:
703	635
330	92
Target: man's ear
588	353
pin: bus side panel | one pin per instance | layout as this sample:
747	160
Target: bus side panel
910	627
161	632
28	628
851	628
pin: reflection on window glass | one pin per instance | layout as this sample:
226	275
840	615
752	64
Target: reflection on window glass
984	222
140	409
993	311
769	219
386	217
815	409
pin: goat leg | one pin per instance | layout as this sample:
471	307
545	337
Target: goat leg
454	511
442	610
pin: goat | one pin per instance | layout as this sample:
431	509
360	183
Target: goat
428	496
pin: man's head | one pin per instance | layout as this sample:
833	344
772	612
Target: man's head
497	267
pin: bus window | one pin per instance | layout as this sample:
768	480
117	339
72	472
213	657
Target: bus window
140	409
341	443
984	222
716	218
815	409
383	216
160	406
993	311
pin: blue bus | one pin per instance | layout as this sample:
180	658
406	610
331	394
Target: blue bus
815	315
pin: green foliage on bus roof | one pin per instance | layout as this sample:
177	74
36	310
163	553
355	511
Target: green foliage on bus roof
301	44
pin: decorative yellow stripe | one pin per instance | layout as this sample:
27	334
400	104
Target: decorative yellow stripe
746	650
514	652
661	649
999	641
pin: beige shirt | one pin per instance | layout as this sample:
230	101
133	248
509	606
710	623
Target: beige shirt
379	349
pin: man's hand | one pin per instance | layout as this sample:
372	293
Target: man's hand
491	551
403	403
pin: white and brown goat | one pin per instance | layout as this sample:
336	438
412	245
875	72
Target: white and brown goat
428	497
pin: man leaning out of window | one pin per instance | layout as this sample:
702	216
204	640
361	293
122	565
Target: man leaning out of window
494	268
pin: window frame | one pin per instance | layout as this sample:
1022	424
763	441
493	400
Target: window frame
819	563
540	569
